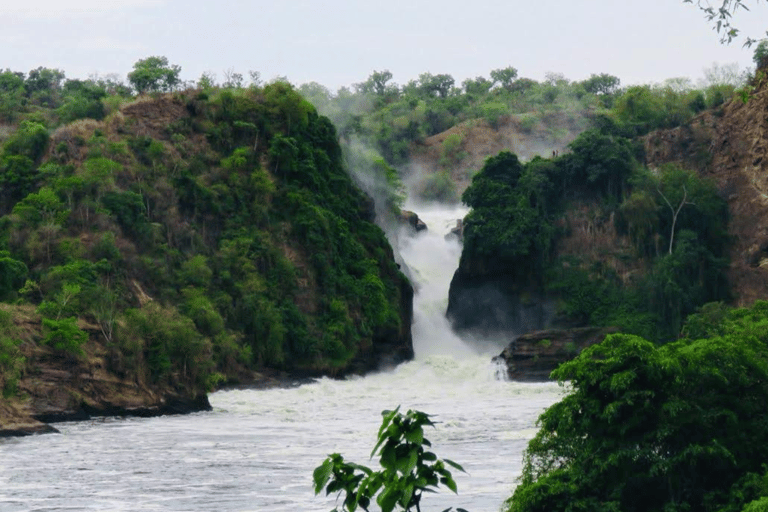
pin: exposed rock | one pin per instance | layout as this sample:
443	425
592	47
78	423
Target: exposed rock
412	219
487	304
730	146
533	356
63	387
552	132
457	232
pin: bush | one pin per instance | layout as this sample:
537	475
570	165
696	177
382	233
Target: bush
760	56
408	468
168	342
64	335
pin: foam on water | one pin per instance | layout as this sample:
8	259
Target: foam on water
256	450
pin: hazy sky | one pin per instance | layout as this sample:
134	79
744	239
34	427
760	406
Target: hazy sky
340	42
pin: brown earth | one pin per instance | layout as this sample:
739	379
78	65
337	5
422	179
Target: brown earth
730	146
550	132
56	386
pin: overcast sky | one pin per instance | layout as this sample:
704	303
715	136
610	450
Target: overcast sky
340	42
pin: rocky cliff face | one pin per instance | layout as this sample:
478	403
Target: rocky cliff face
730	146
56	386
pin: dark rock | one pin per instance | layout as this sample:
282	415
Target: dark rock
533	356
457	232
492	306
412	219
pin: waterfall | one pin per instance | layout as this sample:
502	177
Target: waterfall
257	449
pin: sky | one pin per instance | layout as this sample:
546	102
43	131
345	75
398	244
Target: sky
341	42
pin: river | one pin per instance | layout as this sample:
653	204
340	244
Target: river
255	451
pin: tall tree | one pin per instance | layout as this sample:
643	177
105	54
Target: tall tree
154	74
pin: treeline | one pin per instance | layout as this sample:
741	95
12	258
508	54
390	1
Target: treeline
392	117
198	235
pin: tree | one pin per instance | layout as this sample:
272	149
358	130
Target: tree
11	94
154	74
601	84
376	83
505	77
646	428
435	85
408	469
761	54
478	86
232	80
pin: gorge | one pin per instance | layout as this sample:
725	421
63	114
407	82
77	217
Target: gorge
257	448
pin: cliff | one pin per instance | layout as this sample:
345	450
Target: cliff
533	356
730	145
184	242
461	150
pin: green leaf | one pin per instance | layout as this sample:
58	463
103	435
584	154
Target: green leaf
387	500
415	436
454	464
406	465
322	474
449	482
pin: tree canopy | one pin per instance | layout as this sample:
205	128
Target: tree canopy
154	74
647	428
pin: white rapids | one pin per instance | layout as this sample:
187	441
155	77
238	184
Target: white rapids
256	450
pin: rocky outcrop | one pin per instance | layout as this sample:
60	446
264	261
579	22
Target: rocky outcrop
57	386
479	139
412	220
487	305
533	356
457	232
730	146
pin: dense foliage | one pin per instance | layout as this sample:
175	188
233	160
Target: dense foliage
204	233
649	428
675	221
391	118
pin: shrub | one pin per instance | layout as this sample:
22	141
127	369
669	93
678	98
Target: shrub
64	335
761	54
408	468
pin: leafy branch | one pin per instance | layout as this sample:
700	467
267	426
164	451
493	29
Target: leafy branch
408	469
722	16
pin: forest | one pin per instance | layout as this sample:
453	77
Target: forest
197	233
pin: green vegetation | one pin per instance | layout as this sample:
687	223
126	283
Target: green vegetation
408	468
760	56
11	359
675	221
646	428
393	120
205	234
154	74
722	18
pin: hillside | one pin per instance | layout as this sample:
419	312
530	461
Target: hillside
730	145
461	150
186	241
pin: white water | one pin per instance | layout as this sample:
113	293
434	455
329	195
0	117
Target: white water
256	450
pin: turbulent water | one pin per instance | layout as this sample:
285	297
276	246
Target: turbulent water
256	450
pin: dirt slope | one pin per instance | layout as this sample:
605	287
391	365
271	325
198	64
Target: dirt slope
479	140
